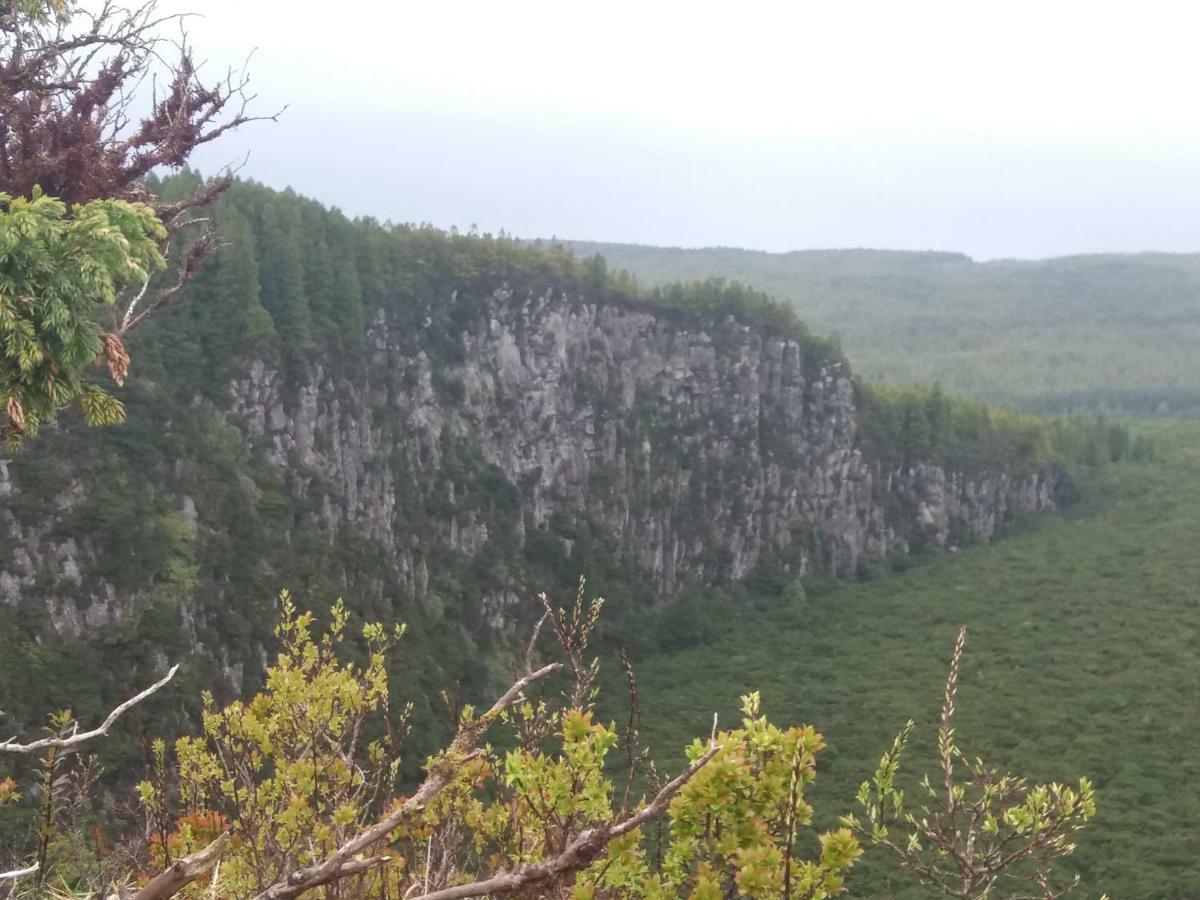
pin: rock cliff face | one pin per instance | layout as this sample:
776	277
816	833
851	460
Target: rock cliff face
698	449
694	447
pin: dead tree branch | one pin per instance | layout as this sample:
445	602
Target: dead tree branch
579	853
19	873
183	871
193	257
75	741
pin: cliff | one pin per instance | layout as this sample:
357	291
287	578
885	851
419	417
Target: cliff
483	422
697	449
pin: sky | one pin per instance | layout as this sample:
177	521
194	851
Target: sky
995	129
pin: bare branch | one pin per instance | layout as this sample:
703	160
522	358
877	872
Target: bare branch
18	873
580	853
537	630
196	253
76	740
133	303
354	866
183	871
346	859
169	212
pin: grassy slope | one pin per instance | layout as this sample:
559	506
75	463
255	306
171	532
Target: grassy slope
1086	332
1080	660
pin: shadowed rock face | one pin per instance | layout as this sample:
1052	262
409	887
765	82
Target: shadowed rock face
696	447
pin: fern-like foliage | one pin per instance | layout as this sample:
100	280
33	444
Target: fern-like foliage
58	269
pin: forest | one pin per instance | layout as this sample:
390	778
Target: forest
274	292
295	284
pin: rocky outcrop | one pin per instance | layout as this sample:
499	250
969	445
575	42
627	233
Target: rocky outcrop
696	447
38	560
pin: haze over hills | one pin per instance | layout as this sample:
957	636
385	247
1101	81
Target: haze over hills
1109	333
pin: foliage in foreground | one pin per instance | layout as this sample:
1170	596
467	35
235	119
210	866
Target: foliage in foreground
989	834
283	773
295	790
76	125
56	270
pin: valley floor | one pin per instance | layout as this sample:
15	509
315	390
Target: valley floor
1083	658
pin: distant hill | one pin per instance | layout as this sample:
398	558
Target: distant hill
1112	333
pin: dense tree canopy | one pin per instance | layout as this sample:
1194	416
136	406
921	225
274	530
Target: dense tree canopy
1105	333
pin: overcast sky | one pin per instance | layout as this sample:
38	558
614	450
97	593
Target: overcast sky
998	129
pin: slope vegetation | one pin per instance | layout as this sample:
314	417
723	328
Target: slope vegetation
1080	660
439	426
1105	332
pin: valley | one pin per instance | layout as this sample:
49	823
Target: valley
1080	660
349	550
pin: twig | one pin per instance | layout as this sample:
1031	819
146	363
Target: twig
537	630
197	252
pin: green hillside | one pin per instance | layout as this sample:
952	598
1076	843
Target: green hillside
293	289
194	528
420	564
1105	332
1083	633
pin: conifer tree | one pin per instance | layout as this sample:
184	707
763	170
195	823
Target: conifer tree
241	321
281	274
318	272
347	290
